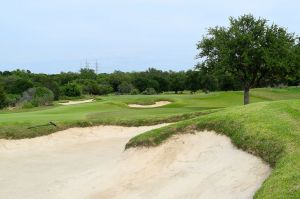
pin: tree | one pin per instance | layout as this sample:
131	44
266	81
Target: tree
48	81
72	90
125	88
116	78
2	98
86	73
140	82
149	91
38	96
16	85
177	81
193	80
105	89
249	49
43	96
89	86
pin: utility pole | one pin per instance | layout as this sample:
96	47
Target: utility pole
87	64
96	67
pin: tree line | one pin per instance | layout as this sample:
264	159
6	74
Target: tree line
24	88
249	53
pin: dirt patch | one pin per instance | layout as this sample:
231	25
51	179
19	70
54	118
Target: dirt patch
76	102
157	104
91	163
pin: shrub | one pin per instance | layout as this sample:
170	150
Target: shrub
72	90
134	92
43	96
209	83
89	86
125	88
27	105
12	99
38	96
105	89
16	85
3	102
149	91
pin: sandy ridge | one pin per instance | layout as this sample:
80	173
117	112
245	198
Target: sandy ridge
76	102
156	104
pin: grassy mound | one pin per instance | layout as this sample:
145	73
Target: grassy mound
270	130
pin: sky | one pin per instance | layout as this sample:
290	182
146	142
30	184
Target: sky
50	36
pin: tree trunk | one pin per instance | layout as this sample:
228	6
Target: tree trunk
246	96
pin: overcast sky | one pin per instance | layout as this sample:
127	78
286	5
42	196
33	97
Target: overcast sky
50	36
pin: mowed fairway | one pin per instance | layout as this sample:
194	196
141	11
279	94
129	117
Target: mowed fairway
114	110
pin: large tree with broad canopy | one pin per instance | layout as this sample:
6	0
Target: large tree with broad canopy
250	49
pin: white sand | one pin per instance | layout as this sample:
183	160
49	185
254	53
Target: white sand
157	104
77	102
91	163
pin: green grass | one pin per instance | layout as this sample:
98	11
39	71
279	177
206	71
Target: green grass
114	110
270	130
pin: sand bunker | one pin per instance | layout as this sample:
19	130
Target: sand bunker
157	104
77	102
91	163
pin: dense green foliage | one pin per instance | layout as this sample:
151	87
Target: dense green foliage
42	96
72	90
150	82
38	96
270	130
3	100
250	50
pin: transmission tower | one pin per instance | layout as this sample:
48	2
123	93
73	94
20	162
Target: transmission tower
87	65
96	67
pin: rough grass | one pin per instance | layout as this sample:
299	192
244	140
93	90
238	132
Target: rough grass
270	130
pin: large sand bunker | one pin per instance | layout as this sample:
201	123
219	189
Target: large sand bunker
91	163
156	104
77	102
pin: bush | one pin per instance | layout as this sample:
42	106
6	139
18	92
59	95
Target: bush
89	86
38	96
105	89
209	83
134	92
3	102
16	85
125	88
27	105
72	90
43	96
149	91
12	99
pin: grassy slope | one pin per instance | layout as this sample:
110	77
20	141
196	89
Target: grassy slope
270	130
113	110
